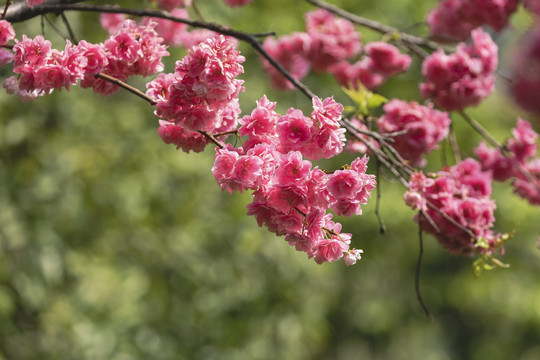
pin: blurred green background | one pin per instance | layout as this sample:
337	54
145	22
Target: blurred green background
116	246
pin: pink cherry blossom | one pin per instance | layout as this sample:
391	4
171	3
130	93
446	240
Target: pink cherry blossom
289	51
453	20
332	39
172	32
111	23
464	78
424	128
6	32
465	211
386	59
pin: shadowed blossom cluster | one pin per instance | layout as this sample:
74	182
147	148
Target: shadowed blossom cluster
424	128
518	162
326	46
525	84
453	20
456	207
290	196
463	78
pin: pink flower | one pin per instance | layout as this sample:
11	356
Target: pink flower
292	169
352	256
294	130
172	32
527	183
351	75
464	78
111	23
524	143
332	39
453	20
502	167
6	32
386	59
424	128
465	214
290	52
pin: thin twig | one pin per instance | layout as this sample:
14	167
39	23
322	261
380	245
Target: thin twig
212	139
382	226
8	3
454	145
479	129
127	87
417	272
376	26
69	29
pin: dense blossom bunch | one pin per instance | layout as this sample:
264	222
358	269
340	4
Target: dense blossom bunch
458	207
42	69
132	51
291	197
289	51
424	128
327	40
453	20
172	32
519	162
525	84
6	34
381	61
332	39
463	78
201	95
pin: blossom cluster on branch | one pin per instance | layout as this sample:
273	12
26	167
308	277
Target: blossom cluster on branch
198	104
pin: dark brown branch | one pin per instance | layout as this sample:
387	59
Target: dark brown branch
212	138
377	26
382	226
417	272
8	3
127	87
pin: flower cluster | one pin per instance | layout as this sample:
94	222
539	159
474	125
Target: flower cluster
380	61
41	69
519	162
453	20
6	34
424	128
456	207
525	84
327	40
290	197
201	95
133	50
463	78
